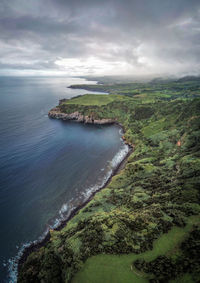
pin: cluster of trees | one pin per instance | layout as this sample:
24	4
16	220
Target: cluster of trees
166	268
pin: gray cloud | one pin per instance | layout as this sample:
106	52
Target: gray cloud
100	37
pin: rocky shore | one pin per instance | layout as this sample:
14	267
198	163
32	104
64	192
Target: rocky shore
78	117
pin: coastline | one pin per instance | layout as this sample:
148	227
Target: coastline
40	243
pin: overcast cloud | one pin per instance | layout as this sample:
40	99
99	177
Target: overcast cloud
98	37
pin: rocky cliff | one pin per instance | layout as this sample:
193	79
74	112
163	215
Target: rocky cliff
78	117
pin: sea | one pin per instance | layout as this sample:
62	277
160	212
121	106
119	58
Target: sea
47	167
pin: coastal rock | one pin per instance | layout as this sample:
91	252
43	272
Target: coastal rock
76	116
104	121
127	142
61	101
57	114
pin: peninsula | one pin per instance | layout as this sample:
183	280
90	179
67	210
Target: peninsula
144	225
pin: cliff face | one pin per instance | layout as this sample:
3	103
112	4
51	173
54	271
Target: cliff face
78	117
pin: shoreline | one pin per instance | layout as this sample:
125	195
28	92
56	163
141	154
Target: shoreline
40	243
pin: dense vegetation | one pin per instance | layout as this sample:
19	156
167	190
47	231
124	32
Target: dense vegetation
186	260
157	191
187	87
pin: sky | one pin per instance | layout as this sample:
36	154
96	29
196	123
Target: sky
99	37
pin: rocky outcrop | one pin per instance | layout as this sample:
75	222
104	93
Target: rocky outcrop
78	117
127	142
61	101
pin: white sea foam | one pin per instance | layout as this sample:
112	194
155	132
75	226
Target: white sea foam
121	131
63	209
13	262
119	156
117	159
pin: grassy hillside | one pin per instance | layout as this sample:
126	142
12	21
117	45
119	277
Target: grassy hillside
91	99
144	225
187	87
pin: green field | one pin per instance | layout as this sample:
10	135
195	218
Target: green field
91	99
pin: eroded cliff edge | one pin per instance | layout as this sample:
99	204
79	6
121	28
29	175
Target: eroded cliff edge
78	117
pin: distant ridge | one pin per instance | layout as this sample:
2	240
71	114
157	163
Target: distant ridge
189	78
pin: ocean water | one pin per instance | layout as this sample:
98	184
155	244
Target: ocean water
47	167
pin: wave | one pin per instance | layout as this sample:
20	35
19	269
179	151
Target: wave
13	262
67	208
119	156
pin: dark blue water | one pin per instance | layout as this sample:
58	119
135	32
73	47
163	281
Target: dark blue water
47	167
